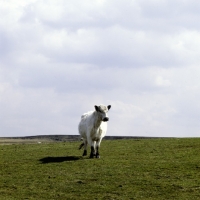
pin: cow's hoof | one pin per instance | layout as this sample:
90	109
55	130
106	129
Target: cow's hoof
97	155
92	155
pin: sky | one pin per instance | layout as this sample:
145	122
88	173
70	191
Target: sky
60	58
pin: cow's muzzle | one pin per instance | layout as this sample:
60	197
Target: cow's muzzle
105	119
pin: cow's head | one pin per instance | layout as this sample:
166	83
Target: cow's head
102	111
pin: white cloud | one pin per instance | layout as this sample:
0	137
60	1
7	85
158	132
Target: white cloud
160	81
60	58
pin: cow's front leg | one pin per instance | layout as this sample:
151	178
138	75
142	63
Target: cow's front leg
97	148
92	154
97	152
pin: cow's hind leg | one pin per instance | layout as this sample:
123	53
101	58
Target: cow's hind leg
85	153
81	145
85	148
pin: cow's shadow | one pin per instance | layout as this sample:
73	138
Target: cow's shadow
59	159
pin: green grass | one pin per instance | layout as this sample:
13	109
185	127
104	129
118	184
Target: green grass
127	169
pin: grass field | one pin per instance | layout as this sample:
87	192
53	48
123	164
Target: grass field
128	169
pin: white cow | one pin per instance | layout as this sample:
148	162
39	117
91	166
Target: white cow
92	128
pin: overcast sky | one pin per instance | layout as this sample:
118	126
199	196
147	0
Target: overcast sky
60	58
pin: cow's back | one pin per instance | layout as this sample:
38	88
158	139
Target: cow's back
85	123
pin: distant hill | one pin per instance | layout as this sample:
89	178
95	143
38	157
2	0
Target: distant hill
60	138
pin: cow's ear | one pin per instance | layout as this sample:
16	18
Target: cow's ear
96	108
109	107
